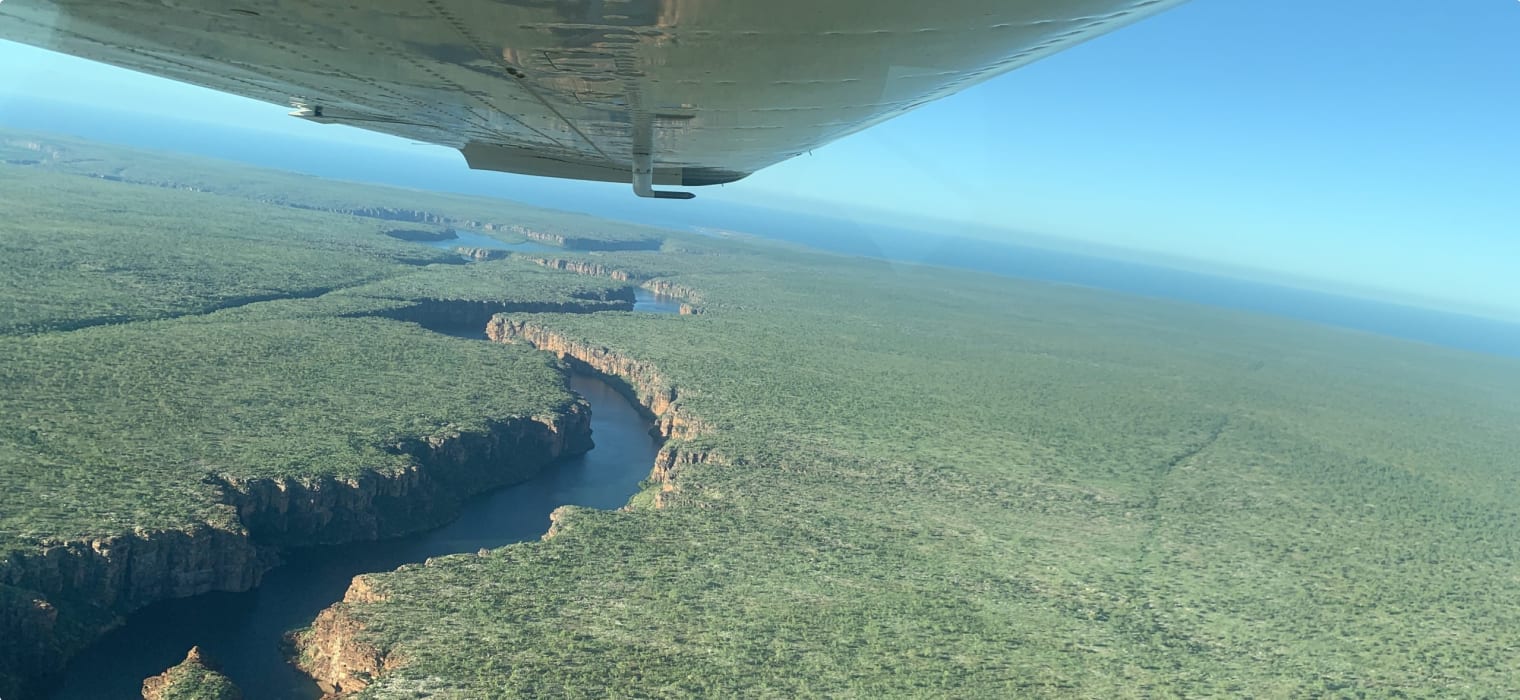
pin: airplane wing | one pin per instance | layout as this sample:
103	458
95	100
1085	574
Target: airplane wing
682	92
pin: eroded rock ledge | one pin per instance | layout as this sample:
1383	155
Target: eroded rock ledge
57	599
562	240
691	299
192	678
639	381
333	650
581	267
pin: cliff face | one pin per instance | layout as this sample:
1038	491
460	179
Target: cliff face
299	512
190	679
572	241
330	650
28	634
640	381
690	298
131	570
91	583
68	593
667	288
581	267
333	651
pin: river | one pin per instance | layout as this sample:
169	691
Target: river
470	239
649	302
241	632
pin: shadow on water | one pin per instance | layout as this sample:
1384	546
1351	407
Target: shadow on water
469	239
242	631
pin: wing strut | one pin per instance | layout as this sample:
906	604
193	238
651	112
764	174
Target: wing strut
643	161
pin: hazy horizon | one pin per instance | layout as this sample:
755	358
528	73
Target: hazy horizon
1371	153
400	166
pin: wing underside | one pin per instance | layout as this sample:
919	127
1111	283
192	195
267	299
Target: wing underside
699	91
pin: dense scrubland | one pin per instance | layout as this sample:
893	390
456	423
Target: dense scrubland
191	679
916	482
161	345
900	481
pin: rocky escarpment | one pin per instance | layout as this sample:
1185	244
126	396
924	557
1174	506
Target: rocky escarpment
334	651
562	240
58	598
581	267
191	679
690	298
666	288
469	317
442	472
63	594
639	381
28	634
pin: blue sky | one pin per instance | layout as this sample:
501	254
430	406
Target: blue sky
1370	145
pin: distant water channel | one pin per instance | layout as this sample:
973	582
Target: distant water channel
242	631
649	302
470	239
644	300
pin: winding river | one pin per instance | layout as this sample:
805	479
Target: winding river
241	632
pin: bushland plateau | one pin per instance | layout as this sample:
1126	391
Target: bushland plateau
879	479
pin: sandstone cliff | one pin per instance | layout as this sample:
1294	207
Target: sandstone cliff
562	240
444	471
666	288
333	650
60	596
639	381
581	267
191	679
691	299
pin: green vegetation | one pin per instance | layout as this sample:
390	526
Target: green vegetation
939	484
299	377
510	281
191	679
919	482
136	252
141	411
154	338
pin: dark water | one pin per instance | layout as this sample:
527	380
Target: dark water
242	631
470	239
649	302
